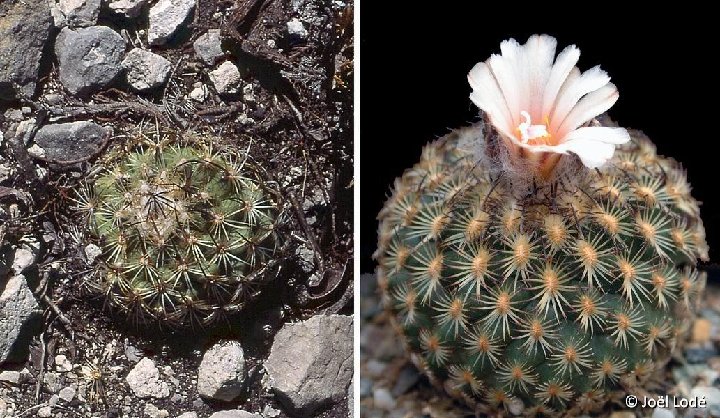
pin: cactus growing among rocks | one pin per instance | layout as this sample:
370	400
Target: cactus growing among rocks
517	273
185	230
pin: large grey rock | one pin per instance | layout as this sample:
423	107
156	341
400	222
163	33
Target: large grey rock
222	371
16	306
144	381
234	413
75	13
127	8
166	17
145	70
24	30
226	78
70	141
311	362
208	47
89	58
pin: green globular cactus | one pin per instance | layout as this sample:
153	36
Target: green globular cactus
185	231
559	296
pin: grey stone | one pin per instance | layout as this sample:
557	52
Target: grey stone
89	58
144	381
70	141
306	258
208	47
127	8
75	13
191	414
311	362
152	411
234	413
145	70
365	387
222	371
662	413
226	78
16	307
296	29
270	412
24	30
383	399
199	93
351	397
709	393
10	376
23	259
166	17
407	378
700	353
52	382
67	394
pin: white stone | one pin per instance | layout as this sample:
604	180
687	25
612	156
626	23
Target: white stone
199	93
234	413
711	394
127	8
166	17
662	413
296	28
191	414
144	380
383	399
23	259
62	364
44	412
226	78
67	394
145	70
92	252
10	376
222	371
152	411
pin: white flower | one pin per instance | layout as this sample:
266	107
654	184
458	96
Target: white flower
540	105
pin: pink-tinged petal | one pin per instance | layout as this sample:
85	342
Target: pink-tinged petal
593	154
564	64
509	75
573	91
606	134
540	53
590	106
487	96
594	145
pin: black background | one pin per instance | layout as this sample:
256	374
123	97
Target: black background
414	62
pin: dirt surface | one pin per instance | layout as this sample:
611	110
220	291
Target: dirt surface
295	114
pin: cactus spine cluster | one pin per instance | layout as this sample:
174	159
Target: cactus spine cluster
557	297
185	230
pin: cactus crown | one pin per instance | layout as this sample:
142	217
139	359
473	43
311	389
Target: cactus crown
558	296
185	230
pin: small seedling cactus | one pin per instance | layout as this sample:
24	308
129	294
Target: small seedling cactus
531	276
185	231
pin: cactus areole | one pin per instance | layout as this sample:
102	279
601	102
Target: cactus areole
541	257
185	231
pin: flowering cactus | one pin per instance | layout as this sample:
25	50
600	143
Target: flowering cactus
541	256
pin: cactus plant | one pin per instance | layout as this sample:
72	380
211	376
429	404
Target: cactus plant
185	230
552	277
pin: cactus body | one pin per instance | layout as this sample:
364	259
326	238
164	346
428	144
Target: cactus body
184	231
557	296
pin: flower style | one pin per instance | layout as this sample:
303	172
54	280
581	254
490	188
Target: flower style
541	106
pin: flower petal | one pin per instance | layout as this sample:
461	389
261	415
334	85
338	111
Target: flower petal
593	104
487	96
573	90
564	63
594	145
509	73
540	53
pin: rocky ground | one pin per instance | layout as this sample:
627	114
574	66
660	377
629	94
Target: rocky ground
390	386
77	78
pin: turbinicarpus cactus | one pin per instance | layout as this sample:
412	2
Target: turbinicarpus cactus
185	230
541	257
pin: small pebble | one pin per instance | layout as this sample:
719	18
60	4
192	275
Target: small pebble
10	376
44	412
375	368
62	364
516	406
407	378
365	387
662	413
622	414
383	399
711	394
67	394
701	330
699	354
296	29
